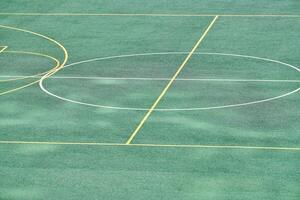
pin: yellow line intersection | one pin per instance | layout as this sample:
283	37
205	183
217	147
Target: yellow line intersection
171	82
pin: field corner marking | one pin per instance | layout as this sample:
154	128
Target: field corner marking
142	122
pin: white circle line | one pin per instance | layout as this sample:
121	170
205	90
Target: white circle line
172	109
174	53
157	79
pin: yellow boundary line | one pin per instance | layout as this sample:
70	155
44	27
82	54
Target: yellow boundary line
53	71
42	36
151	14
49	73
155	145
30	76
34	82
170	82
18	88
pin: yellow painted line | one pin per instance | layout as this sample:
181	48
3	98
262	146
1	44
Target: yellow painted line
34	82
110	14
30	76
170	82
259	15
42	36
219	147
51	72
18	88
62	143
155	145
151	14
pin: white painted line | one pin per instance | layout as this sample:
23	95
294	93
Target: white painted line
157	79
150	14
2	48
183	146
297	70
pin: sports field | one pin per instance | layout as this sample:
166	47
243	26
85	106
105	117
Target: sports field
159	99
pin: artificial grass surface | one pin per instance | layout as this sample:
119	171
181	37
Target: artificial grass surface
51	171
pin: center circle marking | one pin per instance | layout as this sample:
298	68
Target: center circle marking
41	83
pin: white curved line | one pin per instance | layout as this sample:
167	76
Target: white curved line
174	53
232	105
253	57
172	109
88	104
125	56
167	109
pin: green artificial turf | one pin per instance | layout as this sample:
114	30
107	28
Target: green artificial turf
196	150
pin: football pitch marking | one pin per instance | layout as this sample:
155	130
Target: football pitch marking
144	145
14	78
31	83
182	146
50	72
168	79
151	14
171	81
42	36
159	79
181	53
